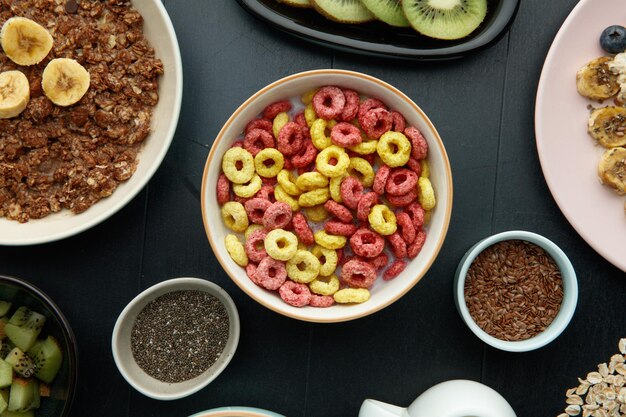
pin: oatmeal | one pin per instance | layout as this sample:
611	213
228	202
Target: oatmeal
54	158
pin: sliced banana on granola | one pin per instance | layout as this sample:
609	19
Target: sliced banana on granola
25	41
612	169
14	93
65	81
596	81
607	125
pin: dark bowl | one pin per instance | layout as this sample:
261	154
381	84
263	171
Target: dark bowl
22	293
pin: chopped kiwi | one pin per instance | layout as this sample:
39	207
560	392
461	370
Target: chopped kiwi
4	403
344	11
8	413
5	306
388	11
21	362
24	395
5	348
296	3
24	327
6	374
48	360
445	19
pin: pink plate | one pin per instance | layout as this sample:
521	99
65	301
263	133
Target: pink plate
568	155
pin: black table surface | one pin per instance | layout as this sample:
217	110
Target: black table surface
483	107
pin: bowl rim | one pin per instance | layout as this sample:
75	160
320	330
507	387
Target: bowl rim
240	410
447	215
568	304
68	335
176	284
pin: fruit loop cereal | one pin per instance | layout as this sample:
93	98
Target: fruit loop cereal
305	183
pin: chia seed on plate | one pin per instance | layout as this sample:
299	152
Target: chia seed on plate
179	335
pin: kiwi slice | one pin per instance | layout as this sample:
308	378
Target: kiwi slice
445	19
21	363
344	11
296	3
48	359
388	11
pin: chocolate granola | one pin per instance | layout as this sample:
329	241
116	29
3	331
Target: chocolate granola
54	157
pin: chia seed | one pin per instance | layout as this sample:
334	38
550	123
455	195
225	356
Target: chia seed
179	335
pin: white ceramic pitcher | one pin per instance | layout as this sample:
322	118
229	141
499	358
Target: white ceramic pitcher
457	398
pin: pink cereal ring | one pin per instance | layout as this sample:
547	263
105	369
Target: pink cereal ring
267	193
398	122
366	203
251	272
414	165
339	255
351	191
380	179
303	230
335	227
287	164
394	270
290	139
376	122
223	190
237	144
339	211
414	248
358	274
255	245
305	156
256	208
345	134
329	102
418	142
407	228
416	213
263	124
271	274
401	181
297	295
299	119
367	105
277	215
380	261
404	199
278	107
367	243
398	245
258	139
351	108
321	301
241	200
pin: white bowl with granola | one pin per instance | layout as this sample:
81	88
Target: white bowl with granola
67	161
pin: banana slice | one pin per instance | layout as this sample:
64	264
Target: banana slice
608	126
24	41
14	93
612	169
595	81
65	81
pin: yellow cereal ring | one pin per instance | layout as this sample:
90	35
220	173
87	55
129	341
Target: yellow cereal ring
302	246
335	187
394	149
303	267
250	189
235	216
316	213
281	244
275	165
236	250
288	182
362	170
309	114
328	259
252	228
308	96
230	161
324	158
311	180
425	171
426	194
280	120
281	195
314	198
366	147
318	134
329	241
352	295
382	220
325	285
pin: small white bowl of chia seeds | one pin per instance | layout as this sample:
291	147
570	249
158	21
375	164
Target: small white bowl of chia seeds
517	291
175	337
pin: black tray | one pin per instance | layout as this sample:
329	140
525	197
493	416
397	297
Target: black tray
379	39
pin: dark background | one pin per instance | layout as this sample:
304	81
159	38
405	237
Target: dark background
483	107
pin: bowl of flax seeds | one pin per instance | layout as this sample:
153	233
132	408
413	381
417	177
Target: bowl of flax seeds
517	291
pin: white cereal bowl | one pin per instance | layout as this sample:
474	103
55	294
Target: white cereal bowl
236	412
382	293
568	305
137	377
159	31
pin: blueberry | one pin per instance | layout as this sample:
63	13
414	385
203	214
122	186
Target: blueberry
613	39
